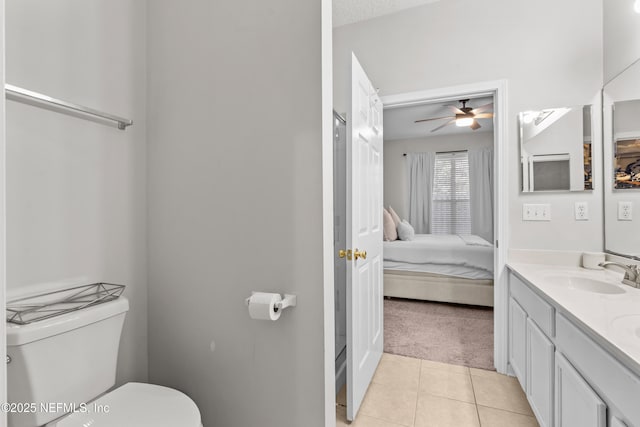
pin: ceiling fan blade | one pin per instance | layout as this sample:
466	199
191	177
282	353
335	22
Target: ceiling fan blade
482	108
475	125
483	116
455	109
443	125
434	118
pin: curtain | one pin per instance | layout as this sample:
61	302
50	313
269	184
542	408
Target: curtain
481	192
421	167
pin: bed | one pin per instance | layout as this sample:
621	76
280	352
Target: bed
440	267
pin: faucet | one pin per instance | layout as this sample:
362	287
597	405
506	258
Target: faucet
631	273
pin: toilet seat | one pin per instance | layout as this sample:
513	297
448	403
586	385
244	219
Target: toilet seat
136	405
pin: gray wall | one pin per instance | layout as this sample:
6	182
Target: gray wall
236	205
546	66
396	183
76	199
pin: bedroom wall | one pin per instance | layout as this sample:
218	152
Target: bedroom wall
396	183
76	199
420	49
236	205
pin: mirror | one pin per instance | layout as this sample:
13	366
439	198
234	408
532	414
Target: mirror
555	149
626	144
621	142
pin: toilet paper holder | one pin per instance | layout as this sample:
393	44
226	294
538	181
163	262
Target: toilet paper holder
288	301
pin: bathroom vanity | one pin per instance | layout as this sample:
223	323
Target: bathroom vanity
574	333
574	344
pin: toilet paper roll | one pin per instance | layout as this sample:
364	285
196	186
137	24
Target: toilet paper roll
262	306
592	259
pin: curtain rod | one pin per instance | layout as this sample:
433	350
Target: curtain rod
445	152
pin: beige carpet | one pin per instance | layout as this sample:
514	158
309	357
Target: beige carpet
450	333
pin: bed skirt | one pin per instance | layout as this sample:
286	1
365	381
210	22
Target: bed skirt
436	287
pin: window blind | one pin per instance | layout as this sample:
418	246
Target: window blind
451	206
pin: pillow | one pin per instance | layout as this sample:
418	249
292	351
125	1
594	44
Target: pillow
406	231
389	227
394	215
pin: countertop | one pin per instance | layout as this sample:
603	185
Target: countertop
604	317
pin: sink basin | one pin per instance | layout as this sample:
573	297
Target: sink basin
627	326
587	284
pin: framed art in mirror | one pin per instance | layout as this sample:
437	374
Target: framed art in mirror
626	149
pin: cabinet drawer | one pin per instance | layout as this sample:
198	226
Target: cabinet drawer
537	309
618	386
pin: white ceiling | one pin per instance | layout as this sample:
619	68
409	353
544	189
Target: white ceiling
350	11
399	123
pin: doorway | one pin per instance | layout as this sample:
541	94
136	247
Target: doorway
496	90
438	279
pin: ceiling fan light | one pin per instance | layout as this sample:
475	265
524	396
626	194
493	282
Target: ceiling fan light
465	121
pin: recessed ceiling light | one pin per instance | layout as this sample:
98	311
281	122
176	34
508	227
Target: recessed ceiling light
636	6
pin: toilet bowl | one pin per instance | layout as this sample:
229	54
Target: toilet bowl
64	366
136	405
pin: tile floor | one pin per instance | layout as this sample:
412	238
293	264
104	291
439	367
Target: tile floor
407	392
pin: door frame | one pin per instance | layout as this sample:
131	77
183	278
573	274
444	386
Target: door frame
498	89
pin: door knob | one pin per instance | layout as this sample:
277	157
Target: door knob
350	255
359	254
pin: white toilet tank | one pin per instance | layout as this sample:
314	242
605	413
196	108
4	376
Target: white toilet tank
63	361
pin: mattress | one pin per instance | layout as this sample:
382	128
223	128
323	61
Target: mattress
442	269
459	255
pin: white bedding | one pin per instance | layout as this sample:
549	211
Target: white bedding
440	249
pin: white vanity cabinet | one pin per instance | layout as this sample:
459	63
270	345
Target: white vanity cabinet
569	373
576	404
531	351
517	341
540	372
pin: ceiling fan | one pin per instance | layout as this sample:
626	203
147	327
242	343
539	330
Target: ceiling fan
463	116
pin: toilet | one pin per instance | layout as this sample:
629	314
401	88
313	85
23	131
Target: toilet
59	371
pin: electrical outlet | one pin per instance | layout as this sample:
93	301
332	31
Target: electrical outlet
582	211
541	212
625	211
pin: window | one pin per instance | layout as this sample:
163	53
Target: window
451	206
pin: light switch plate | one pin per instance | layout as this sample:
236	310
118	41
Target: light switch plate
582	211
625	211
537	212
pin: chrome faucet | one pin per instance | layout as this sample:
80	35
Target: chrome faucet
631	273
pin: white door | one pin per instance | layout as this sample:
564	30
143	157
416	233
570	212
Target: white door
364	237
